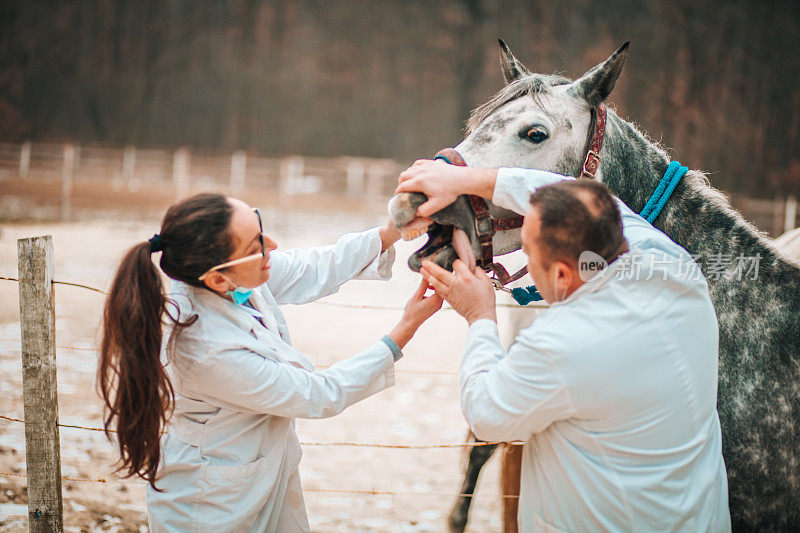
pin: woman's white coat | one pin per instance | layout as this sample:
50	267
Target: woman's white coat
230	456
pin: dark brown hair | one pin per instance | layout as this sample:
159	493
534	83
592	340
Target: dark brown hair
577	216
131	376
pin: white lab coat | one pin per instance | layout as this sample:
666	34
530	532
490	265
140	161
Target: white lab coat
613	391
230	456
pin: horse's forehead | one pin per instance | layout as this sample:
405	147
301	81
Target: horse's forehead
557	105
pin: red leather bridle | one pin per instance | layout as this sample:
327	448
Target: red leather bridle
486	226
591	164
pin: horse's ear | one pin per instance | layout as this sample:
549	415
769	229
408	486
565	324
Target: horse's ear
511	67
597	84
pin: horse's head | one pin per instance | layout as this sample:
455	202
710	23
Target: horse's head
536	121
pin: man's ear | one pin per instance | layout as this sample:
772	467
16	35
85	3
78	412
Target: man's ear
566	280
216	282
564	276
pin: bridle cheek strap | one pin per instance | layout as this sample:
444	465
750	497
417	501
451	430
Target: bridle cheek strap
591	163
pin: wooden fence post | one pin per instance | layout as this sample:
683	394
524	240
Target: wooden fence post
355	178
291	174
128	163
374	181
25	159
39	393
67	173
510	471
777	216
238	171
790	213
180	172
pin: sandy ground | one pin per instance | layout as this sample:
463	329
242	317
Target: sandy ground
420	409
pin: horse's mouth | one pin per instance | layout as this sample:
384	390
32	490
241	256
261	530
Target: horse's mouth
445	244
450	232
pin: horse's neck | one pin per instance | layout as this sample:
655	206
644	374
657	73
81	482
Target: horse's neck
697	216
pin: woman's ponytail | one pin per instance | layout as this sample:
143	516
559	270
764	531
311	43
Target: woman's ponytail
131	377
133	382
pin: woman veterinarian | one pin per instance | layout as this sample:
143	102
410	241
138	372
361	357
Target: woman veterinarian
222	378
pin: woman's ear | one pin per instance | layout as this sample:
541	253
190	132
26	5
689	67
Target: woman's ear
217	282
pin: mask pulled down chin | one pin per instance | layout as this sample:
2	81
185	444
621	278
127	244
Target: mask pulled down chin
240	295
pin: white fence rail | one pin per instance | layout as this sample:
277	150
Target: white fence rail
130	169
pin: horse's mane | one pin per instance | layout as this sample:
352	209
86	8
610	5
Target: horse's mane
532	85
697	185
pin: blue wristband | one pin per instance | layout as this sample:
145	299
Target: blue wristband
396	352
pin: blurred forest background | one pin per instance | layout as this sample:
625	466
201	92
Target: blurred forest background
718	81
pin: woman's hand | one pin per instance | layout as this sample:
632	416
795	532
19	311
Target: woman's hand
418	309
471	294
389	234
443	183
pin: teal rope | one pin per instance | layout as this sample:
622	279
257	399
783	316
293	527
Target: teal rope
524	296
443	158
675	171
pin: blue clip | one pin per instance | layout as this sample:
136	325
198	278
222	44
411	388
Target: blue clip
526	295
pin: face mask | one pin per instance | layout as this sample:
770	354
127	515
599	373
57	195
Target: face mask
240	294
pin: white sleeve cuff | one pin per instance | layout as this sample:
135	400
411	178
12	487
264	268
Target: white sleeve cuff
483	326
513	187
380	268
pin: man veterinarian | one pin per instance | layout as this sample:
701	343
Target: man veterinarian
613	388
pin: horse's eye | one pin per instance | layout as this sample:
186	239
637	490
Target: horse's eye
535	135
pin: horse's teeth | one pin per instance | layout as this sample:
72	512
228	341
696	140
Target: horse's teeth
415	228
410	235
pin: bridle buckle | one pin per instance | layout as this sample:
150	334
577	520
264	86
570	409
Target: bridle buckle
484	227
591	164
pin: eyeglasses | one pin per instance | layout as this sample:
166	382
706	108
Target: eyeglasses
261	255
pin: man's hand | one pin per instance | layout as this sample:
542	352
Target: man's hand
471	294
443	183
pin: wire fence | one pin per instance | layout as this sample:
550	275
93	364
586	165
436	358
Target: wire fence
320	367
462	445
357	444
318	302
305	489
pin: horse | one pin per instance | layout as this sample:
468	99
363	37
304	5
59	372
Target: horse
759	313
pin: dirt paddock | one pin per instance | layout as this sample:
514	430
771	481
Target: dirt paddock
422	408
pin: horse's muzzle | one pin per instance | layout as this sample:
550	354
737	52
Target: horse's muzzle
440	229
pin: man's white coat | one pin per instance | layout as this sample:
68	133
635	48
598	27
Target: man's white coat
613	391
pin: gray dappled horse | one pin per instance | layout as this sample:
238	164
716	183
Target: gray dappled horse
759	319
